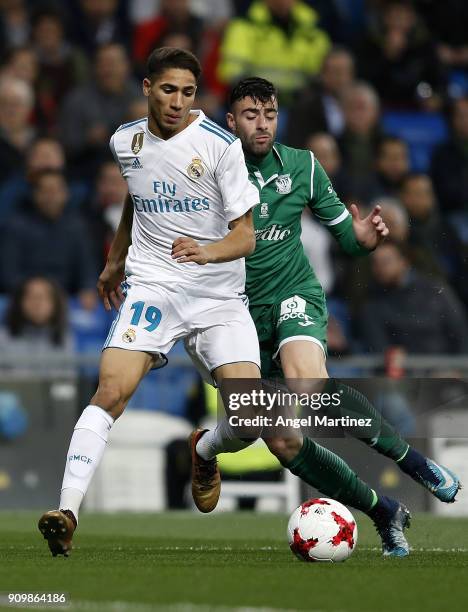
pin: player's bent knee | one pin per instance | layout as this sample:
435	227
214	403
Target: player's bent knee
109	397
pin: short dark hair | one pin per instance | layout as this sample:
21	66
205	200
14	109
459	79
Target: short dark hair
260	90
163	58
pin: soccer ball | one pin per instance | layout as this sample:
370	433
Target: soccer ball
322	530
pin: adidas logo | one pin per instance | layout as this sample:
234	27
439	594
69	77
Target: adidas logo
136	164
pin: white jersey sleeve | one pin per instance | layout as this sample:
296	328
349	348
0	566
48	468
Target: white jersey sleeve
239	194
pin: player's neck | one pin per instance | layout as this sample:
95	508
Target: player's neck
260	161
160	132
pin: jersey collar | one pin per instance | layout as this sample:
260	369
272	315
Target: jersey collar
267	169
200	116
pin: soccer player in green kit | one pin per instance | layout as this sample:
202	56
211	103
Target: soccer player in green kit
288	307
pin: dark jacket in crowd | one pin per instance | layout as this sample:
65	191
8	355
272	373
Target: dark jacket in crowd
33	245
422	316
449	171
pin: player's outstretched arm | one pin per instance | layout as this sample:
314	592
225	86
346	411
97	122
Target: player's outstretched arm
240	242
108	284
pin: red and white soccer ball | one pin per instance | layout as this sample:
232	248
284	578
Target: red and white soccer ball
322	530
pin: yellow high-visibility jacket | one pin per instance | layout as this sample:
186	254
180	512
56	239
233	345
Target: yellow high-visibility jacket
255	46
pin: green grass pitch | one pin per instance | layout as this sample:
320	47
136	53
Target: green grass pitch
183	562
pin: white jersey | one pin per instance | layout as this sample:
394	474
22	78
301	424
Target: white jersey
192	184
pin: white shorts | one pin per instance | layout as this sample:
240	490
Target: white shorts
215	332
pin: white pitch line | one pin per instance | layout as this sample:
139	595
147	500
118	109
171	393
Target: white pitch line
129	606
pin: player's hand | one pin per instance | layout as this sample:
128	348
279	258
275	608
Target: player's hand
108	285
186	249
371	230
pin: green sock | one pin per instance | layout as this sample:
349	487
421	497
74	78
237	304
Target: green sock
381	436
322	469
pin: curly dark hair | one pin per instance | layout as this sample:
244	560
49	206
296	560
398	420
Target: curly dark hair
16	321
253	87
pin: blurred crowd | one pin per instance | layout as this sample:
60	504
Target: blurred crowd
377	89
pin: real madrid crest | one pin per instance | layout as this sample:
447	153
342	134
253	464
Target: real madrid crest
283	183
137	142
129	336
195	169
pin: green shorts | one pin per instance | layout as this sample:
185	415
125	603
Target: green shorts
303	316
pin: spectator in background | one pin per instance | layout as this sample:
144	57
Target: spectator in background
396	218
21	63
61	66
48	240
16	133
399	58
325	149
409	310
14	24
429	236
354	277
318	106
359	140
106	207
392	166
36	324
447	22
95	23
43	154
449	169
175	17
279	40
91	113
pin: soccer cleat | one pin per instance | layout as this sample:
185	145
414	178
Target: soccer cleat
390	524
57	527
439	480
206	480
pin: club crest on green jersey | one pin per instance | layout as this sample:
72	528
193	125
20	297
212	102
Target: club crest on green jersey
264	213
283	183
137	142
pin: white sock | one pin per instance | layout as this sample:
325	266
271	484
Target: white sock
84	455
222	439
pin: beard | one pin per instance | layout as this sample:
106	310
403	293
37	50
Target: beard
258	149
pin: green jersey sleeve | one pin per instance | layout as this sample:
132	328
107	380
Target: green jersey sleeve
327	207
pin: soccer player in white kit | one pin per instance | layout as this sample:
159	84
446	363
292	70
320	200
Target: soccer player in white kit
185	228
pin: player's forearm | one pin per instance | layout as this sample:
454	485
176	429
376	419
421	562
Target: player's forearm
123	236
240	242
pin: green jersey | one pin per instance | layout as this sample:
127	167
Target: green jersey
288	180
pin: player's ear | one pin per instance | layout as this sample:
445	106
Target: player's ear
231	122
146	86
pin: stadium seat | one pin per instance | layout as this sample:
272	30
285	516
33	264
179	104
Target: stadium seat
421	131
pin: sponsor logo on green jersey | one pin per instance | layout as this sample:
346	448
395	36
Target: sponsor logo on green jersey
273	232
